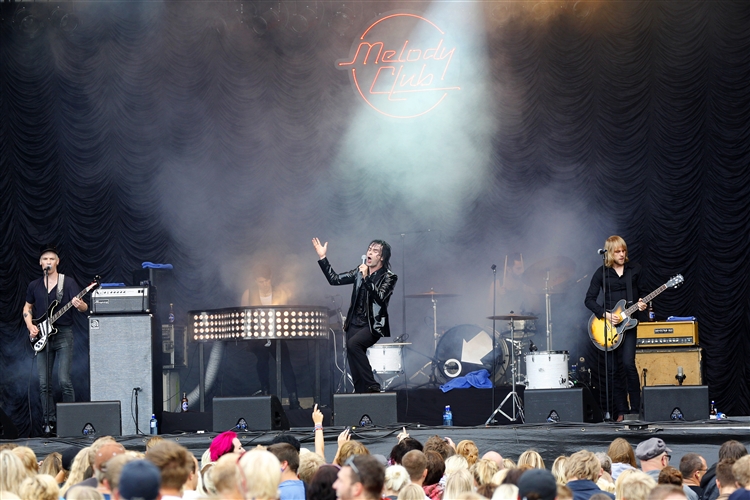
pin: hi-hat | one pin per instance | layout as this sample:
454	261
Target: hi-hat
431	294
558	269
513	317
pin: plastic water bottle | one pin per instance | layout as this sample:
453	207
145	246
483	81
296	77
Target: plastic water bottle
153	425
448	416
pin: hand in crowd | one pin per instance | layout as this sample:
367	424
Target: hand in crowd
402	435
317	416
344	437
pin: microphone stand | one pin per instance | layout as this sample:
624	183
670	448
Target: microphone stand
47	370
494	341
607	330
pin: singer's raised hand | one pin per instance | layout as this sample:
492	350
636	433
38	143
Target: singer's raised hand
320	249
364	270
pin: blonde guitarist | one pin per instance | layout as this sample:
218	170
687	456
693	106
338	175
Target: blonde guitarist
618	279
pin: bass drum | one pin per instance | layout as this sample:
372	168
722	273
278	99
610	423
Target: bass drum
467	348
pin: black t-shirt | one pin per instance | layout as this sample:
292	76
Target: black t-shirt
617	288
35	295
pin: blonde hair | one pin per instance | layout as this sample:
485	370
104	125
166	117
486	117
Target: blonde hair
564	493
741	471
84	493
508	463
457	483
620	451
411	492
13	471
483	471
532	458
77	470
52	464
39	487
633	484
468	449
613	243
309	463
226	475
499	476
349	449
396	477
153	441
558	470
261	474
506	492
28	459
455	464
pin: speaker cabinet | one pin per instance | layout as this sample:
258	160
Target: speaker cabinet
661	365
259	413
350	409
92	419
8	429
660	402
121	357
560	405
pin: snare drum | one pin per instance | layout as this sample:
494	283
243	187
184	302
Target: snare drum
547	370
385	358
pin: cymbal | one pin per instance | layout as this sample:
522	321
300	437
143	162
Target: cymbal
431	294
513	317
560	270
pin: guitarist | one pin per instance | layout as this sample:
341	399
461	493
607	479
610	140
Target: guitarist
40	293
621	276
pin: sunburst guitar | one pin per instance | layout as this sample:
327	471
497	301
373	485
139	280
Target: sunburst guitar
606	336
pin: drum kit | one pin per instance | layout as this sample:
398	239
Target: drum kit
467	348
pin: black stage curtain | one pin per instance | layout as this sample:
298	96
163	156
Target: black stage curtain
638	110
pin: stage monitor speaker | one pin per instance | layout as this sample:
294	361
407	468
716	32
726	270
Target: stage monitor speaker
661	365
560	405
121	356
662	403
91	419
365	409
259	413
8	429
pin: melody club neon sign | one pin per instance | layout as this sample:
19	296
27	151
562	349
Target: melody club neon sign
402	66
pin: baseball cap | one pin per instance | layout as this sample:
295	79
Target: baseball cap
140	480
68	455
106	452
651	448
539	481
47	247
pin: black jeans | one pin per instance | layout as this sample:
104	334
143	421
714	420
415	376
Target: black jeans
358	340
623	377
264	354
58	345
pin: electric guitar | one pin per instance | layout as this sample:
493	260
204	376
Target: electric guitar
46	322
607	336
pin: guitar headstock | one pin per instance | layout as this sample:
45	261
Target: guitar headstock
675	281
96	283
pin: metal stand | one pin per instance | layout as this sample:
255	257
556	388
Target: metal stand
548	311
516	405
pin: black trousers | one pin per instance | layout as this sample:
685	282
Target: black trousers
263	355
623	377
358	340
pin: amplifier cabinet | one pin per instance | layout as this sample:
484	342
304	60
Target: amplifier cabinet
119	300
662	365
662	334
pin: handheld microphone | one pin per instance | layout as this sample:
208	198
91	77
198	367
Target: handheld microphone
601	251
493	267
364	259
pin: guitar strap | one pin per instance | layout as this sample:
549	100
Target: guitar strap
629	284
60	285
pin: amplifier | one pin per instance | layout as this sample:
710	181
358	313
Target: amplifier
662	365
122	299
668	334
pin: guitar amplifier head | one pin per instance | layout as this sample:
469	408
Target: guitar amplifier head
122	299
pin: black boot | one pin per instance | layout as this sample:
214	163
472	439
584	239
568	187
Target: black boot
294	402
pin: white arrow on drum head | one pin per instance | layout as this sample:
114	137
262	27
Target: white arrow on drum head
474	350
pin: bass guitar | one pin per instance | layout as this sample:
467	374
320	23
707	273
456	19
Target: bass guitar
46	322
607	336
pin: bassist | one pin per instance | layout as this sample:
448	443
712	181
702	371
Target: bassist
40	293
623	281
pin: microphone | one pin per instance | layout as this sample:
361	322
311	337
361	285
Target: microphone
680	375
493	267
137	389
601	251
532	347
364	259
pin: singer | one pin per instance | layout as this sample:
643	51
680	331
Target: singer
367	318
623	282
40	293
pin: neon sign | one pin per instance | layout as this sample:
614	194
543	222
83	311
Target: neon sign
403	65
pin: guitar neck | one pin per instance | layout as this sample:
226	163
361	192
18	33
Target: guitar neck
630	310
67	306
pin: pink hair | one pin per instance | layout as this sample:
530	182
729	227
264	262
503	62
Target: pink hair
222	444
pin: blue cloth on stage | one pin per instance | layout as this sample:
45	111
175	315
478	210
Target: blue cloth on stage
479	379
151	265
111	285
681	318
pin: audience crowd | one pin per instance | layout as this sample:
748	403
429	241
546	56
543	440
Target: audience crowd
437	469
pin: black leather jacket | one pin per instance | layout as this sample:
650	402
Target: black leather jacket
378	293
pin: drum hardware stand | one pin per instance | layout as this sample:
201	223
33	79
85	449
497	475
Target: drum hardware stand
345	376
548	311
433	364
494	342
512	395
